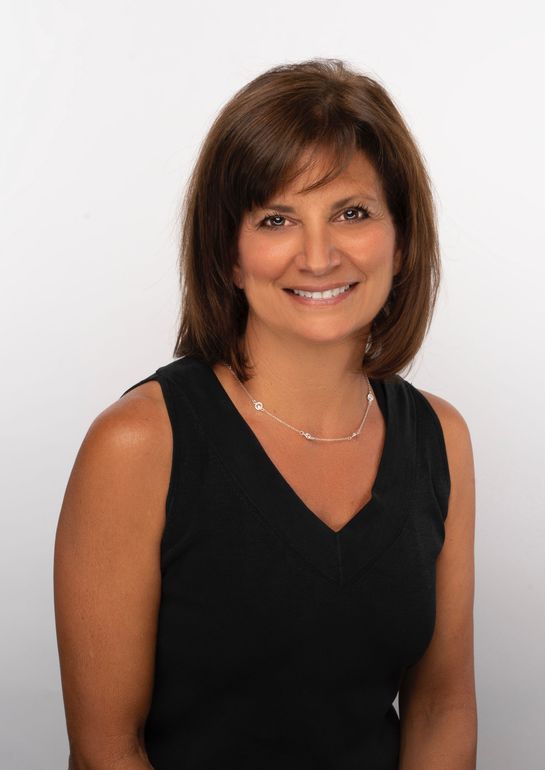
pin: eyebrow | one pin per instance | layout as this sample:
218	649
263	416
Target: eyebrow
336	204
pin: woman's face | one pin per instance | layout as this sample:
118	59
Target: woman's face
338	234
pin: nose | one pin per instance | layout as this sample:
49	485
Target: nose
318	252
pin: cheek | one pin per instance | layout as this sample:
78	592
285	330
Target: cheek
377	253
258	272
260	257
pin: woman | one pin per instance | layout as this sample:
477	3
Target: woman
265	541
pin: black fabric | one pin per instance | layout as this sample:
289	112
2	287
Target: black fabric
281	643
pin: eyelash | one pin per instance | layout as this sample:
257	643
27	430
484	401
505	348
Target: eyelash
272	214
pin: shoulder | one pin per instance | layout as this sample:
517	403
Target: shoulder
448	414
455	430
123	464
137	422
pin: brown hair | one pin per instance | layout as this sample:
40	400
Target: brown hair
252	151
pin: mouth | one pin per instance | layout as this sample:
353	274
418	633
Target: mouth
326	297
323	294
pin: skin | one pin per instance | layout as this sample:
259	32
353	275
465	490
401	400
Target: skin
107	569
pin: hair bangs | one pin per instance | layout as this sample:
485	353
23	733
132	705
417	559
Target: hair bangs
294	142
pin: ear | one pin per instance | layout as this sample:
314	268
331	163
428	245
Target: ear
237	275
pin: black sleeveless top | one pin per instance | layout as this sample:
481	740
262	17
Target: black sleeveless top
281	644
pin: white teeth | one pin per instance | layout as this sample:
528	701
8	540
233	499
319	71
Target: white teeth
322	294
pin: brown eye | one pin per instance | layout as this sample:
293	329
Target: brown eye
273	219
354	211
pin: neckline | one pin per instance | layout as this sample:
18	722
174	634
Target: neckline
263	493
378	390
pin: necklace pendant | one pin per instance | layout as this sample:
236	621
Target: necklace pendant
309	436
258	405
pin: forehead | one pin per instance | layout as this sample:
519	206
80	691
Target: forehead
357	172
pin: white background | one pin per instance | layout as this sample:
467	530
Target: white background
104	107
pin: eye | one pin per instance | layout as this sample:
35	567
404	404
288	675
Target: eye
274	225
354	211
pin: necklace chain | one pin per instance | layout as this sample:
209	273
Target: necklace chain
258	405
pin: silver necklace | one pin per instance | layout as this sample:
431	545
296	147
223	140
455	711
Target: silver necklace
260	408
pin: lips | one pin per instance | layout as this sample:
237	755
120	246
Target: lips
320	301
320	289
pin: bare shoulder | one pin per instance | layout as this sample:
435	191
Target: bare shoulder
449	416
142	408
126	452
455	431
137	423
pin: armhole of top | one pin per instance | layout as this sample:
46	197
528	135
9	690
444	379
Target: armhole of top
178	458
439	447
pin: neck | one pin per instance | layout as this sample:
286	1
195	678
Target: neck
318	388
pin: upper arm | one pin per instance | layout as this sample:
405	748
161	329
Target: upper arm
107	574
444	677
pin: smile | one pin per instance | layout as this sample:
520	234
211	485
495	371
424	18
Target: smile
328	297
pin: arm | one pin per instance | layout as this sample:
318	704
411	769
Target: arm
107	580
437	700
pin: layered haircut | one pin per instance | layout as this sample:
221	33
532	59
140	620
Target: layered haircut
252	151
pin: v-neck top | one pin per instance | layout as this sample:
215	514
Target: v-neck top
282	643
